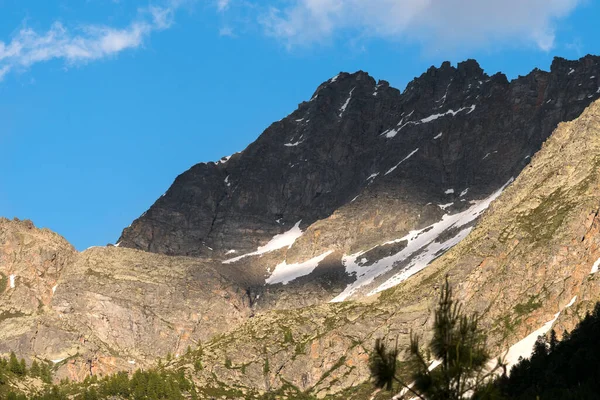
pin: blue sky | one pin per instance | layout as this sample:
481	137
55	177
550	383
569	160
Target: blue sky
104	102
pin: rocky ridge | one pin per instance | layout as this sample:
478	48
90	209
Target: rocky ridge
379	182
115	308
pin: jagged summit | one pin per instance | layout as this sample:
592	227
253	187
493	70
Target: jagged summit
466	129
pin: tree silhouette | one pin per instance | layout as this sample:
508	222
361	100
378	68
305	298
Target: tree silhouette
458	347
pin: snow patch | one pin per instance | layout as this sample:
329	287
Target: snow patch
12	281
54	288
231	251
444	206
571	71
372	176
449	191
285	273
345	105
443	99
433	117
58	360
334	78
439	135
223	160
464	192
294	144
227	181
524	348
404	159
595	267
571	302
422	247
285	239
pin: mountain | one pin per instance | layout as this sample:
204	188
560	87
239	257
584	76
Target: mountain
530	264
276	288
367	184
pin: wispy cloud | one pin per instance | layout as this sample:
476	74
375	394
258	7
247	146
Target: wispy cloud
226	31
434	23
92	42
222	5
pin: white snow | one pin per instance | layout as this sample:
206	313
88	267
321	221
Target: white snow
571	71
285	273
595	267
486	156
443	99
285	239
524	348
223	160
401	161
334	78
373	176
12	281
390	133
598	91
345	105
421	249
354	199
436	116
54	288
449	191
439	135
444	206
300	120
549	101
227	180
592	77
231	251
58	360
119	243
131	362
294	144
464	192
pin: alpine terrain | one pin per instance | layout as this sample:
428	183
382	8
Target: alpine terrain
273	271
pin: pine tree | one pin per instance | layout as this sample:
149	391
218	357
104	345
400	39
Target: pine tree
35	371
458	344
14	365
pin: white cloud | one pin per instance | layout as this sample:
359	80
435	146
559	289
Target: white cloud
226	31
28	47
3	71
435	23
222	5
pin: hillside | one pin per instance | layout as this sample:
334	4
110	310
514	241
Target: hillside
278	289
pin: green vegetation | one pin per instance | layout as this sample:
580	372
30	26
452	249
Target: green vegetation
458	344
526	308
3	282
568	369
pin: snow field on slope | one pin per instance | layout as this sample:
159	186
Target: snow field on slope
422	248
285	239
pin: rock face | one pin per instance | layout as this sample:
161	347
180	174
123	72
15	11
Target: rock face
383	185
380	182
463	130
532	258
107	309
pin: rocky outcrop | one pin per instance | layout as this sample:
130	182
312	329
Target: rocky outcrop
107	308
531	259
383	185
465	131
